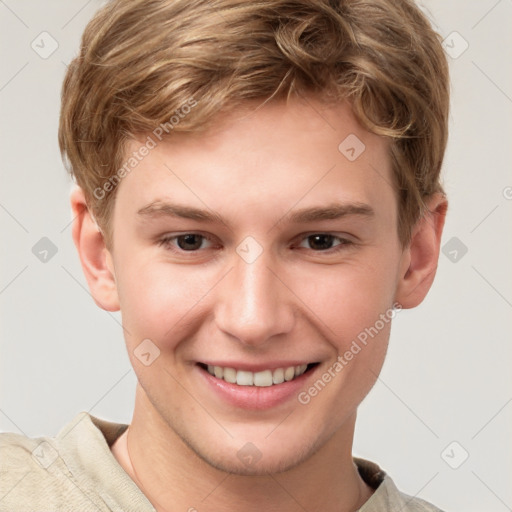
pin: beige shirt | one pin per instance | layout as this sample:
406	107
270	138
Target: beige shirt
76	471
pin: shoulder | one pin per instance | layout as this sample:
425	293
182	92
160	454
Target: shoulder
386	495
27	477
20	453
14	450
413	504
35	474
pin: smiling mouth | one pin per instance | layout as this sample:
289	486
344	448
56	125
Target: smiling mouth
264	378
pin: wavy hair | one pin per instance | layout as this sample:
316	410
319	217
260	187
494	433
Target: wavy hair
141	60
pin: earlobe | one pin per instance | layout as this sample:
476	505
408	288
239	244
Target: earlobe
95	258
420	258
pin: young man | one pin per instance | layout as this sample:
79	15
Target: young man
258	194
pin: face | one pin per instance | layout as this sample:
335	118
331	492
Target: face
261	262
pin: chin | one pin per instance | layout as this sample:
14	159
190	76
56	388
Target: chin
275	463
249	460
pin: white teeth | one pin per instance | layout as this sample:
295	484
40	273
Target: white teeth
244	378
278	376
264	378
289	373
230	375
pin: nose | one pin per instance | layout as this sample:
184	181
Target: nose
253	304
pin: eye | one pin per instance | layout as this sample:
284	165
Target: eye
324	242
188	242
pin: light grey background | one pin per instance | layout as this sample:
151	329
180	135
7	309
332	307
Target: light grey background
447	376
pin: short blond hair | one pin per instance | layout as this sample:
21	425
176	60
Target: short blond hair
142	61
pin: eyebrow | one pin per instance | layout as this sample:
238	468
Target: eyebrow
331	211
165	209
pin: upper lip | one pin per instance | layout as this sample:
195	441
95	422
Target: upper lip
256	367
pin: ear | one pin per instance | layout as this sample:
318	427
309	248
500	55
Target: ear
420	258
96	260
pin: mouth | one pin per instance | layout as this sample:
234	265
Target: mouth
256	387
263	378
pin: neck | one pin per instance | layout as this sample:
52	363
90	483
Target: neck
173	477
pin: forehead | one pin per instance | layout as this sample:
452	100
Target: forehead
255	161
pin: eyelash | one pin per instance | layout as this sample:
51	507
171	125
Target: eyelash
167	240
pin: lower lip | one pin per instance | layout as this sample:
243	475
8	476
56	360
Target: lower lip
256	397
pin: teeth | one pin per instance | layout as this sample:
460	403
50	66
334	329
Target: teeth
278	376
244	378
289	373
264	378
230	375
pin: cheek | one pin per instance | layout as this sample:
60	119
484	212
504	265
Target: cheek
157	302
355	309
349	299
361	313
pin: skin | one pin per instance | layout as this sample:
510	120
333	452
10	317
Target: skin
296	301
